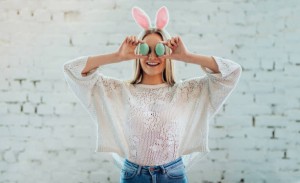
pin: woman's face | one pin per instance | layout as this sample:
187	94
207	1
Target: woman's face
152	40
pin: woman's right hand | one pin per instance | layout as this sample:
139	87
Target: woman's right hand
126	50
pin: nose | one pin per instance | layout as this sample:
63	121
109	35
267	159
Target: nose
152	56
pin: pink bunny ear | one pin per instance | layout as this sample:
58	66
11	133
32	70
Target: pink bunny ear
162	17
141	18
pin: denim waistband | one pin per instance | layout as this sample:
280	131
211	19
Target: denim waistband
164	167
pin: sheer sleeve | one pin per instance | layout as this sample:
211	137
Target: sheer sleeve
83	86
104	98
211	90
219	86
80	85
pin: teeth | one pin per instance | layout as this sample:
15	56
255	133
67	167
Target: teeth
152	63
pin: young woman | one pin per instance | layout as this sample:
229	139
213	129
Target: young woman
154	127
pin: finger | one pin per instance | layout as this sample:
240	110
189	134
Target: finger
135	40
177	40
173	43
141	41
132	40
163	42
129	40
169	44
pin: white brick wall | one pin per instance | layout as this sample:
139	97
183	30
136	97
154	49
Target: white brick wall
46	136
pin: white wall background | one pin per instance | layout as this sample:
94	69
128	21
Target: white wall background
46	136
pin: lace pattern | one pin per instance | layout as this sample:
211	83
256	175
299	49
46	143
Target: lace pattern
152	126
81	85
153	132
220	85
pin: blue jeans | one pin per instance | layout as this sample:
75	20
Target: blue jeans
173	172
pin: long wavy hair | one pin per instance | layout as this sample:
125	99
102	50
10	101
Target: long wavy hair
168	73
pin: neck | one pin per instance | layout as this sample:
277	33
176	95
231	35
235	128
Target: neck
152	80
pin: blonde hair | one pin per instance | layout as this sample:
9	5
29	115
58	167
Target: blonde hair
168	73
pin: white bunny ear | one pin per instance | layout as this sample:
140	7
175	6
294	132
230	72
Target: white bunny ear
162	17
140	17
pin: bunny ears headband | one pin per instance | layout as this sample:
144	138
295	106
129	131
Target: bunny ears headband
143	20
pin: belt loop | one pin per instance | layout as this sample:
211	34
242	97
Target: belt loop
139	169
163	169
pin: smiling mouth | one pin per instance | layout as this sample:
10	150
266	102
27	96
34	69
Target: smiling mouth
152	64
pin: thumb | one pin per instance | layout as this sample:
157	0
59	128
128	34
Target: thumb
163	42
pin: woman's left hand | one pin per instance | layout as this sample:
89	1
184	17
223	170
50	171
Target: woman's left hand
179	51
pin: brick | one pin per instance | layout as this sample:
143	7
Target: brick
251	109
253	137
28	108
44	109
42	15
274	121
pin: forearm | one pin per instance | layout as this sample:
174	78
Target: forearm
98	60
204	60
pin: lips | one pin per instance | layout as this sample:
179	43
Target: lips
152	64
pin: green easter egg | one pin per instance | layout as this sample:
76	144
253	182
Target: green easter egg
159	49
144	49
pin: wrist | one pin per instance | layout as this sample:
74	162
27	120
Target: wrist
118	57
187	57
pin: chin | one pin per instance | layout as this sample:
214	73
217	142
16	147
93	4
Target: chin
152	71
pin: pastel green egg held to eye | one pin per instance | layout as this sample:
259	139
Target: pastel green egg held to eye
144	49
159	49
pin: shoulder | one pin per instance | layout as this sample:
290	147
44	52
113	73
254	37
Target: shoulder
192	82
111	82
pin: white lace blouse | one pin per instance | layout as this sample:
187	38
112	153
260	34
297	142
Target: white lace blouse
152	124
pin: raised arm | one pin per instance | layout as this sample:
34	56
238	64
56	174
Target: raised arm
94	62
125	52
222	76
203	60
81	72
